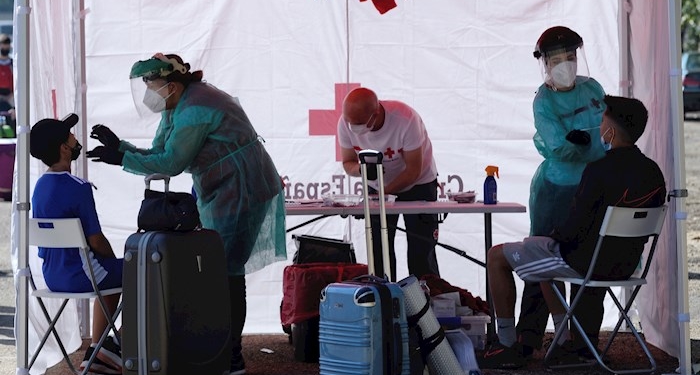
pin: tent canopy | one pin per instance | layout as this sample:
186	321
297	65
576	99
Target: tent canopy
466	67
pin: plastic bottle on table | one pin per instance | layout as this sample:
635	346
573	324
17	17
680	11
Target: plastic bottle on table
490	188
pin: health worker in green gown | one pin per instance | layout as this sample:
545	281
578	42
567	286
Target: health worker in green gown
568	108
205	132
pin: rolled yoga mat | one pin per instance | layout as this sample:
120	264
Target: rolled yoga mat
441	359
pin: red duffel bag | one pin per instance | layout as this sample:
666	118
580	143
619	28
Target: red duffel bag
302	285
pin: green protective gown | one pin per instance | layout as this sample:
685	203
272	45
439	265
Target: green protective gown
239	192
555	181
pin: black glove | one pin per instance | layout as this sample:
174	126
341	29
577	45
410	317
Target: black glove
578	137
105	136
106	155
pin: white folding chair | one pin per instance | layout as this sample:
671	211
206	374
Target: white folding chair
67	233
618	222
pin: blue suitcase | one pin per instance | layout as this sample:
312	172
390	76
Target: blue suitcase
363	329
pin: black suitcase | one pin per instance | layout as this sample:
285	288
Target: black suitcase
176	312
313	249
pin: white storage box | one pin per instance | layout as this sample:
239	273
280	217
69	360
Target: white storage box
443	307
474	326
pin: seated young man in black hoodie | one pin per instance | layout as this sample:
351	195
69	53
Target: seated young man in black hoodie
623	177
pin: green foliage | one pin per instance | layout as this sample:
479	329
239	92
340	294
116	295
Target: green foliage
690	25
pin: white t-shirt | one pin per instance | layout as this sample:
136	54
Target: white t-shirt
403	130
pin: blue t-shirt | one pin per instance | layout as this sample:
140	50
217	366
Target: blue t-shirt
63	195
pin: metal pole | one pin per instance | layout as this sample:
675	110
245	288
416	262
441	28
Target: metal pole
20	227
678	189
80	130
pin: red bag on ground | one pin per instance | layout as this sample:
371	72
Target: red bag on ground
302	285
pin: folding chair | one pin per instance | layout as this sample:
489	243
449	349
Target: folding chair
67	233
618	222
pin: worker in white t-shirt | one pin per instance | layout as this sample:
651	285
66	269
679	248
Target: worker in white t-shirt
396	130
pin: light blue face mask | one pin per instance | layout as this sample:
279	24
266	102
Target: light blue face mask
606	145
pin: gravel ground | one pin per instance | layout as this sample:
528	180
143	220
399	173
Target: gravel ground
692	148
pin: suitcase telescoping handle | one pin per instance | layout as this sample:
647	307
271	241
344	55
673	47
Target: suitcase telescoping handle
158	176
371	160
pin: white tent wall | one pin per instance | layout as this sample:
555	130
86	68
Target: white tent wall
467	67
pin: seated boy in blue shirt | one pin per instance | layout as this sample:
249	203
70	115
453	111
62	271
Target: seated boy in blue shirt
60	194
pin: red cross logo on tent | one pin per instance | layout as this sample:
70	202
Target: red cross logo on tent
325	121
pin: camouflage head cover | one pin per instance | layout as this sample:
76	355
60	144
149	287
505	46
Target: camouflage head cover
158	66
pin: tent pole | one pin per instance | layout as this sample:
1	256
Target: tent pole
21	207
678	190
81	130
624	88
623	36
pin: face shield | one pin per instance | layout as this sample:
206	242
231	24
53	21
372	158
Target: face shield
149	96
562	67
562	59
149	83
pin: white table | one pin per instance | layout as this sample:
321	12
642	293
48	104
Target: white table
414	207
420	207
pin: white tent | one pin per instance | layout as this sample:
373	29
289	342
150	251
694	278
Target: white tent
466	66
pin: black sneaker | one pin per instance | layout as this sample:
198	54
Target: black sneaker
237	365
526	351
563	355
586	356
111	353
97	366
498	356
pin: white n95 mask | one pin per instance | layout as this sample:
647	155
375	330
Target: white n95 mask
564	74
359	129
153	101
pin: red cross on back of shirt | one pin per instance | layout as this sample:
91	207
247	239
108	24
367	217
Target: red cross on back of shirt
325	121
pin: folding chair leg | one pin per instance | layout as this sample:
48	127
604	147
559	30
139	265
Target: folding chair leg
568	317
49	330
637	336
625	311
110	317
111	327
